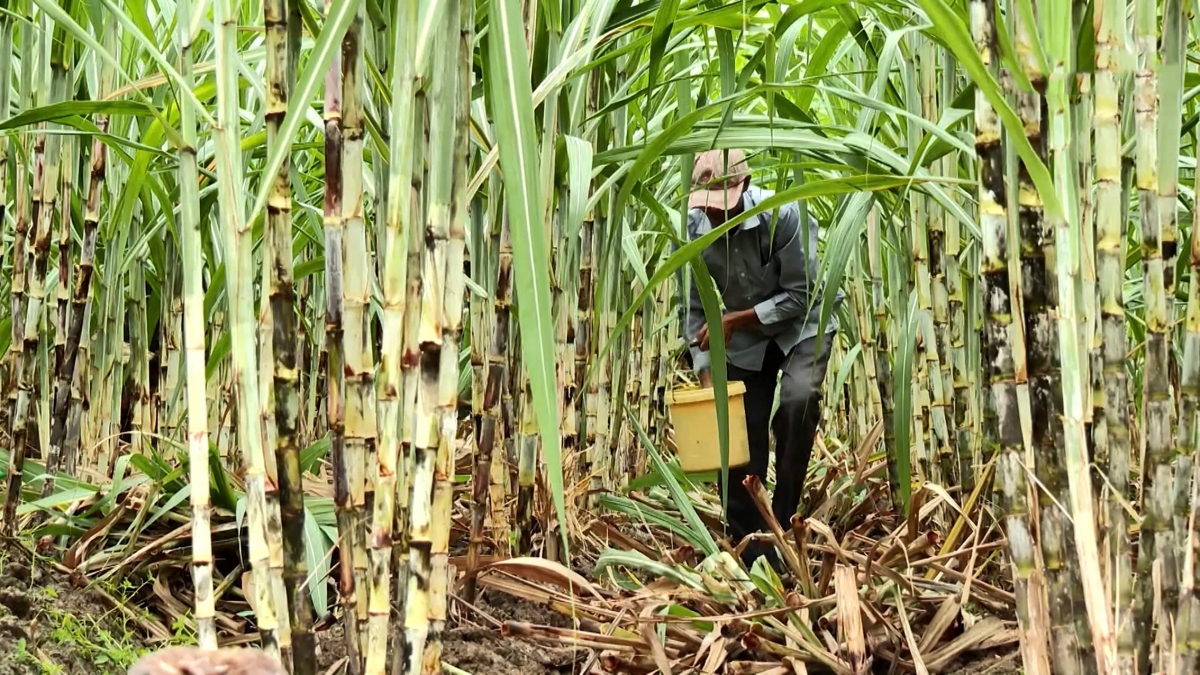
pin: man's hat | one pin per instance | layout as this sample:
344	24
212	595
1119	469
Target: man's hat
718	182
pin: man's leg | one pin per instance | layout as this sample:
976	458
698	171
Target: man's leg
741	516
796	420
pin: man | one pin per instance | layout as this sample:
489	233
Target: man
766	272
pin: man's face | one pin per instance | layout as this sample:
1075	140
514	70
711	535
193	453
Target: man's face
717	214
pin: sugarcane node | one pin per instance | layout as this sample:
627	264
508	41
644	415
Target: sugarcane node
381	538
411	358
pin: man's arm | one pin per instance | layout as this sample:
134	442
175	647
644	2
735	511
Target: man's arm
797	267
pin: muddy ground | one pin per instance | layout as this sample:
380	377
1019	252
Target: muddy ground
50	627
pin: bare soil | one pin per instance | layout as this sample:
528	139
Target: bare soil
50	627
1000	663
475	645
480	648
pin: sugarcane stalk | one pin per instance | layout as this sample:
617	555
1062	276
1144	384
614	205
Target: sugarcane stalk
448	170
1110	261
62	381
1172	46
584	318
1154	541
1003	424
527	454
282	21
361	427
45	188
335	403
82	277
424	528
30	37
410	433
932	295
138	385
241	307
1092	613
266	413
79	385
1040	301
6	59
489	434
1187	629
398	226
933	449
192	257
957	331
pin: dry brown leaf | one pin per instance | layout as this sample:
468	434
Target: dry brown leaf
546	571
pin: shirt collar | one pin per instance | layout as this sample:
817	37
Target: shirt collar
750	199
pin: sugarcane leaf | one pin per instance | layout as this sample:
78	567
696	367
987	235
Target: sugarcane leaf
579	183
123	18
634	257
64	19
167	507
55	499
842	244
311	456
512	105
659	518
664	18
819	59
681	499
638	560
223	495
119	485
56	112
706	288
317	546
902	374
221	348
872	103
847	366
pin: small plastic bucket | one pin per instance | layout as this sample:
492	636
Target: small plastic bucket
694	420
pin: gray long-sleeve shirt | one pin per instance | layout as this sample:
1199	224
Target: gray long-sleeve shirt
777	276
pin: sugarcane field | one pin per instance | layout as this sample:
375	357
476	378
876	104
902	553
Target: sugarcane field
538	337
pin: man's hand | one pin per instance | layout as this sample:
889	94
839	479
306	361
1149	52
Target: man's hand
730	324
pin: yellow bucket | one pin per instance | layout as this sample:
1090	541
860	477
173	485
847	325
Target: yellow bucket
694	420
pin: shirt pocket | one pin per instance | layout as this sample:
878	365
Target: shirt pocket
758	282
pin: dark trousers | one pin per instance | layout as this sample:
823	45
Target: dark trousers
799	375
